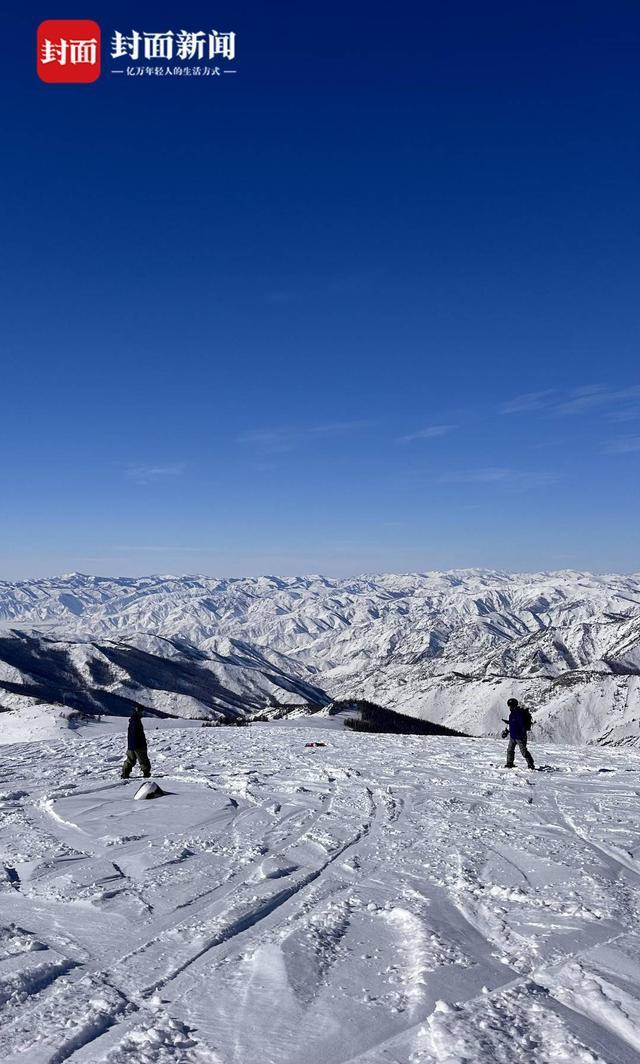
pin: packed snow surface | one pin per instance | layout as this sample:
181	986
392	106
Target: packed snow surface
376	900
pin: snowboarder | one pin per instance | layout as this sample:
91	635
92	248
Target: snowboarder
136	746
517	727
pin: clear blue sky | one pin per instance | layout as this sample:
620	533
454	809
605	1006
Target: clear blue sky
369	304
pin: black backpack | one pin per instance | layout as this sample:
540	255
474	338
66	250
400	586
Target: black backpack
528	720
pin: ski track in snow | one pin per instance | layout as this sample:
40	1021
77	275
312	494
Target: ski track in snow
379	900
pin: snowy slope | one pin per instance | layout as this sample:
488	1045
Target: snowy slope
228	679
450	646
378	900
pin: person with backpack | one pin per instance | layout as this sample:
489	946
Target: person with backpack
517	728
136	746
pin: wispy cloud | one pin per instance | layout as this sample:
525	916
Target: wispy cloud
513	478
587	397
623	445
614	403
146	474
147	548
288	437
625	413
474	476
529	401
431	432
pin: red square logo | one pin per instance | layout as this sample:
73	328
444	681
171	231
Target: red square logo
68	50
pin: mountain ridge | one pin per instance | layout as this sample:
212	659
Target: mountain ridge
445	645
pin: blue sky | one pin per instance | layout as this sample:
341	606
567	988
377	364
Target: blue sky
369	304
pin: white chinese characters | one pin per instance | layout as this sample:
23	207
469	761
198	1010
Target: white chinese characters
181	45
65	51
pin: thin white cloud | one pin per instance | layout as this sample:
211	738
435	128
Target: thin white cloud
623	445
146	474
288	437
154	549
431	432
514	478
613	403
587	397
490	474
529	401
624	413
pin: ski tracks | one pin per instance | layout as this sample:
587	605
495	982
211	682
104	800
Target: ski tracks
375	901
179	940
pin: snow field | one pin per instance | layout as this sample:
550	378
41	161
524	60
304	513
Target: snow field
379	900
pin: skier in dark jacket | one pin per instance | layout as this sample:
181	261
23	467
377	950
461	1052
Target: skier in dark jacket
518	725
136	747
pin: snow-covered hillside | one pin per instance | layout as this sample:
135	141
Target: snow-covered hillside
377	900
450	646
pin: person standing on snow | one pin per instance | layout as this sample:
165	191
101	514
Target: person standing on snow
136	747
518	725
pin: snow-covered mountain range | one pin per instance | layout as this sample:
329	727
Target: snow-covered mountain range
448	646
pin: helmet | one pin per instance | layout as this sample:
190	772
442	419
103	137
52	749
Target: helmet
512	703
